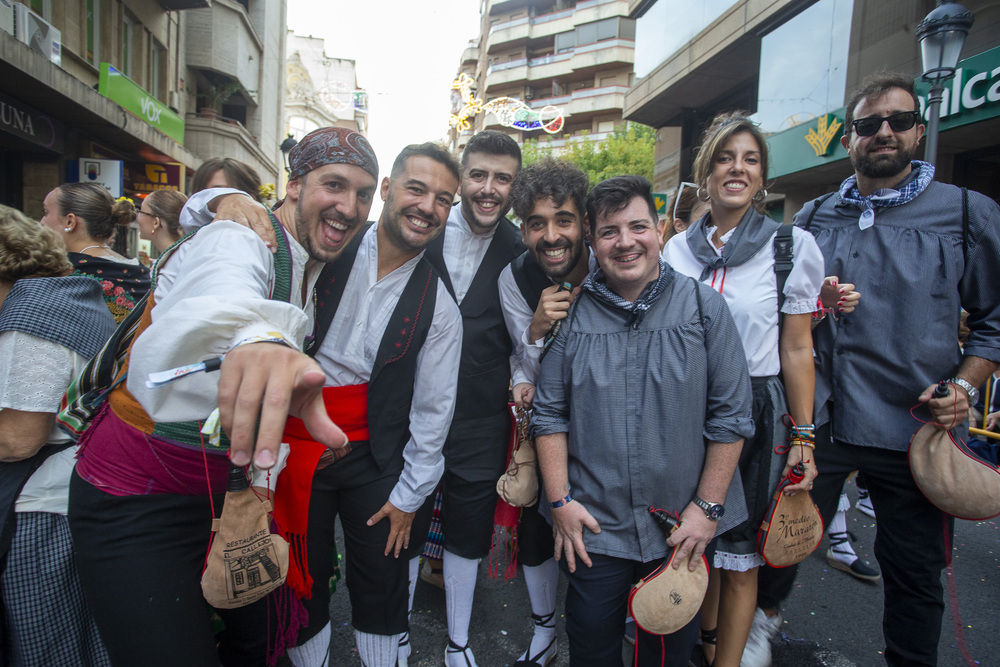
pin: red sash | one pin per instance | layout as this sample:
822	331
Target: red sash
348	408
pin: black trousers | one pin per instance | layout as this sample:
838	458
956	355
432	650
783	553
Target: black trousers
140	560
354	489
909	546
535	541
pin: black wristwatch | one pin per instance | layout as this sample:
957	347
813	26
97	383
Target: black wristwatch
713	511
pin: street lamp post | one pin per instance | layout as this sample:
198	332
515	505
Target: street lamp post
941	35
286	147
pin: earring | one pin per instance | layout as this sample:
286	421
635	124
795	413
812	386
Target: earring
761	195
707	196
68	229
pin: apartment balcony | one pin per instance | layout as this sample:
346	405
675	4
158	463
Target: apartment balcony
578	61
208	136
585	101
511	33
225	22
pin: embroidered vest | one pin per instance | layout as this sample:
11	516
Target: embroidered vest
188	434
390	388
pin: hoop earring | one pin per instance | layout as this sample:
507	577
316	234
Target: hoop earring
707	198
761	195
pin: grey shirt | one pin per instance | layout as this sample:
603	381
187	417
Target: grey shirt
914	278
638	406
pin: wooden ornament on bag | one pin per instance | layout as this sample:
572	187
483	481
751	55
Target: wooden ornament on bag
518	486
246	562
666	600
792	528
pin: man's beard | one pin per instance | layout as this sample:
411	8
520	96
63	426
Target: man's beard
573	254
879	166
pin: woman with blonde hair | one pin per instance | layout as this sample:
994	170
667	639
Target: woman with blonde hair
51	324
159	218
85	216
731	249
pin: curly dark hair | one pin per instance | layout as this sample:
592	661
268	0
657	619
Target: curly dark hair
548	178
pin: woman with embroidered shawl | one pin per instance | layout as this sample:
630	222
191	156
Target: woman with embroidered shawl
51	324
85	216
731	249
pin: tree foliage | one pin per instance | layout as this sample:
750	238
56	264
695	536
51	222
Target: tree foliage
627	150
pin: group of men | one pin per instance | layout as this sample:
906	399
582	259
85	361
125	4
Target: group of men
423	321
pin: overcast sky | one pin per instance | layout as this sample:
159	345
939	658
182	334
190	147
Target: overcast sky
407	54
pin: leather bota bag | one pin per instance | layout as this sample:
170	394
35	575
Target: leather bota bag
666	600
518	486
245	562
792	527
954	479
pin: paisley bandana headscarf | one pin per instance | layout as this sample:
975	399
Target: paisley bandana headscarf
331	145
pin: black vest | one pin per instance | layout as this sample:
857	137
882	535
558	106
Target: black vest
390	388
484	373
530	278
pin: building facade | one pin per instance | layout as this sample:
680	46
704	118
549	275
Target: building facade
793	64
136	93
565	64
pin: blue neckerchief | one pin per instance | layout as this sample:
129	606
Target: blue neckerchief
597	284
886	197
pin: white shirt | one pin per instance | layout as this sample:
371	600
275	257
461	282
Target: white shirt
348	353
526	357
34	374
751	291
212	293
463	251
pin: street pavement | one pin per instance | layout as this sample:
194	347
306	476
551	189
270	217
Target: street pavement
830	618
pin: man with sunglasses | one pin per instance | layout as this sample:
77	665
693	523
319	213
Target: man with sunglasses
919	251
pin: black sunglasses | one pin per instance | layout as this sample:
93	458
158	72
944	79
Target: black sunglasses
898	122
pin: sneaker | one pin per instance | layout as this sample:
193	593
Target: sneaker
758	649
865	503
857	568
458	656
403	653
431	574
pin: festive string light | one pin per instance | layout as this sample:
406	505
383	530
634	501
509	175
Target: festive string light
508	111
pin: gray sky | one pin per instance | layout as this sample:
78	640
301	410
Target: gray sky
407	54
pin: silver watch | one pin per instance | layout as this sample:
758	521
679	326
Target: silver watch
969	389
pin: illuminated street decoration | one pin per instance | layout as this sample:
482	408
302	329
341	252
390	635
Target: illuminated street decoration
508	111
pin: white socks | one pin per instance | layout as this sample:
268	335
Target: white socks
314	653
460	588
542	581
377	650
840	543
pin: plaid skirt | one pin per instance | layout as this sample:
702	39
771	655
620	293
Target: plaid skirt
45	617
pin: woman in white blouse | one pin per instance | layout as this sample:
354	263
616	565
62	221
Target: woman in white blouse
51	324
731	248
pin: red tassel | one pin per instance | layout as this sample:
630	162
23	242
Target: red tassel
505	520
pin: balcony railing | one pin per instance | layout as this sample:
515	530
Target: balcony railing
559	57
552	16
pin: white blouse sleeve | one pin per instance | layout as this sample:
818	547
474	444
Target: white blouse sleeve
806	278
34	372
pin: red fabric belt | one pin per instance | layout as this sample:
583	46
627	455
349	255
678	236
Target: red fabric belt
348	408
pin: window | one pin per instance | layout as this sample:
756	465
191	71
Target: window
599	31
157	68
565	41
130	37
668	26
93	32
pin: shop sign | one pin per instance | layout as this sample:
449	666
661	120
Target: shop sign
104	172
132	97
142	178
972	95
30	124
807	145
661	203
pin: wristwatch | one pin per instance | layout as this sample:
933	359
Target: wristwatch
713	511
969	389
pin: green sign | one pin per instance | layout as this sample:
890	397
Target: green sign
117	87
661	203
972	96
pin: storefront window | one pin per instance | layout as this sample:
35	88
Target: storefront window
803	66
668	26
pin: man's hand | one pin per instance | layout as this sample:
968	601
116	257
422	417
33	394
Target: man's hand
693	535
991	420
271	380
839	296
948	411
553	305
524	394
243	210
399	527
568	522
795	455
